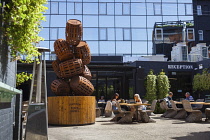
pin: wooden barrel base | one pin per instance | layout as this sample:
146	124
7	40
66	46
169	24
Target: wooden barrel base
71	110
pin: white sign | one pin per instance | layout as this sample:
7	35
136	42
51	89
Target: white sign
180	67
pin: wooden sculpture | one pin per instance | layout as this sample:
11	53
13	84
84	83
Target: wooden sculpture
60	87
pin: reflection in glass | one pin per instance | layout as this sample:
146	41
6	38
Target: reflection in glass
90	33
102	34
102	8
123	47
139	34
189	10
157	7
118	8
127	34
110	8
150	10
78	8
54	7
90	21
70	8
138	9
126	8
169	9
106	21
107	47
62	8
111	33
90	8
122	21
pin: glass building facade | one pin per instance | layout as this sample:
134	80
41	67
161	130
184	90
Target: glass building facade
113	27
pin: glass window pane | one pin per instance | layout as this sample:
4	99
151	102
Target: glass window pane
70	8
93	47
54	7
106	21
90	8
170	18
139	47
45	44
200	33
55	18
189	10
62	8
90	33
138	9
78	8
122	21
118	8
190	34
199	10
150	10
152	19
169	0
61	33
149	34
44	33
158	34
102	8
139	34
127	34
123	47
107	47
157	9
119	34
185	18
111	33
169	9
138	21
126	8
181	9
53	33
102	34
90	21
110	8
150	46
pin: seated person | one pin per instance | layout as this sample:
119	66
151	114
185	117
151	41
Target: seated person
114	99
101	99
137	99
189	98
168	98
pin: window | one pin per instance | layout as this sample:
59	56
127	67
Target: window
184	53
190	34
126	8
118	8
157	9
102	8
200	35
126	34
53	33
188	9
205	52
62	8
158	34
103	34
54	7
199	10
90	8
78	8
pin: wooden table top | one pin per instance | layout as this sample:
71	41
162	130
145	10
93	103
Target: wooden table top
204	103
137	104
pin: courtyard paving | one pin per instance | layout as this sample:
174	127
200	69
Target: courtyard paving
163	129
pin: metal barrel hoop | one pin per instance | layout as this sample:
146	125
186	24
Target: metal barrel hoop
63	50
82	51
73	31
71	68
60	87
81	86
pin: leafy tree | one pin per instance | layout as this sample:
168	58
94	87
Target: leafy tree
163	85
151	86
22	77
22	24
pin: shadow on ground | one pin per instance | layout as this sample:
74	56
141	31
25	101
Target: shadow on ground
195	136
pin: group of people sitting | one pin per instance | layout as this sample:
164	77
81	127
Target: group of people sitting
170	95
